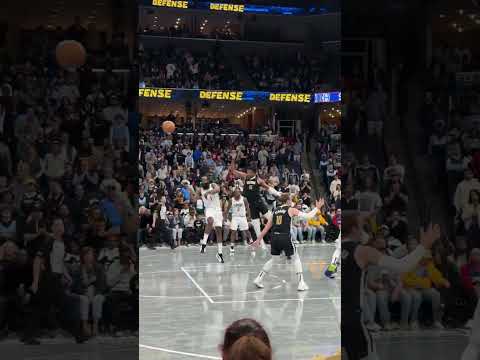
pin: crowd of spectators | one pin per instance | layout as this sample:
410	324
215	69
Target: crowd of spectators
442	290
295	73
172	166
424	297
451	119
68	197
174	67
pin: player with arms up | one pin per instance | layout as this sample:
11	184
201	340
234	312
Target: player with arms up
279	223
240	213
356	340
210	193
251	191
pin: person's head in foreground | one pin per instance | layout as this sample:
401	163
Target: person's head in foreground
246	339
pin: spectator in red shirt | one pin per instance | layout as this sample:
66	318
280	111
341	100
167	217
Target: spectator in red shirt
470	272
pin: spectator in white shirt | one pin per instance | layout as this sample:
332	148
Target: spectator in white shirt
368	199
55	161
462	192
335	182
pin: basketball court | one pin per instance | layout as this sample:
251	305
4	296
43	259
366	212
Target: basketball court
187	300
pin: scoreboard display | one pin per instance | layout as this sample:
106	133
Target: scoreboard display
327	97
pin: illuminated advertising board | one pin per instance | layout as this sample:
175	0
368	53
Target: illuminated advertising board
235	95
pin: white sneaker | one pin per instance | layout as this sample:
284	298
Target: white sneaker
302	286
258	282
373	326
414	325
438	325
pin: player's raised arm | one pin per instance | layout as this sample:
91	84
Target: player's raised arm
238	174
365	255
311	214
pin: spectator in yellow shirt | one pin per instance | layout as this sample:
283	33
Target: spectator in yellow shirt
318	223
422	284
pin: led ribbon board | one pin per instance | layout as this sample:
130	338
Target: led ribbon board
327	97
239	8
171	4
234	95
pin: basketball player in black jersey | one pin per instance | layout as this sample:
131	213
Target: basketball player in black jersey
251	191
280	225
357	343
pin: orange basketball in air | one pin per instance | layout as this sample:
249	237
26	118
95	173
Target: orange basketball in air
168	127
70	54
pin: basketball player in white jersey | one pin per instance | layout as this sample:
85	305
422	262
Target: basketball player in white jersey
213	213
240	213
280	224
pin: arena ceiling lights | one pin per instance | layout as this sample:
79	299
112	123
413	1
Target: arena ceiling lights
236	8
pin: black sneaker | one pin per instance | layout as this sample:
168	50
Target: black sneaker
220	258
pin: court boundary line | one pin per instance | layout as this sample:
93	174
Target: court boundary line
199	267
272	300
197	286
179	352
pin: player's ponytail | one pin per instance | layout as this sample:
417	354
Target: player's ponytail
250	347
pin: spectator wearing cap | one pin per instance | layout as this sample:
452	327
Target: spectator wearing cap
186	190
